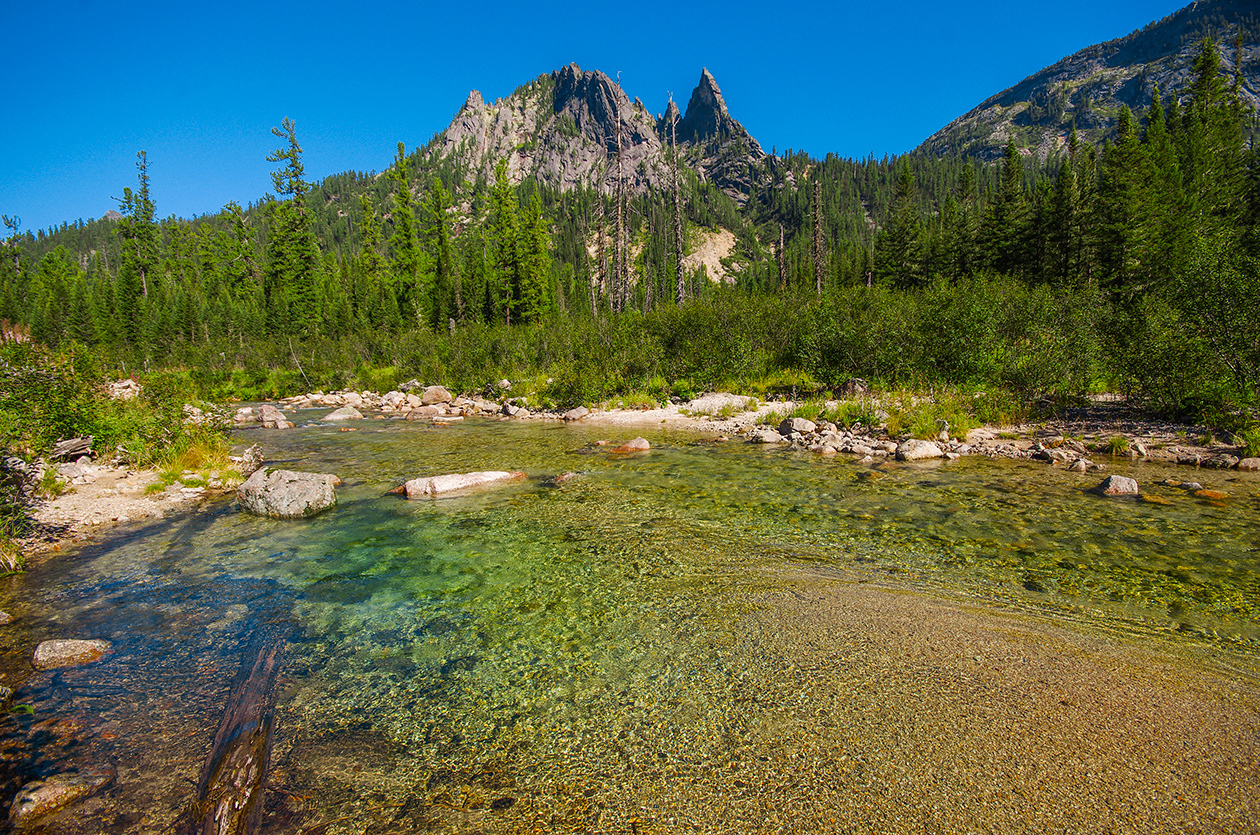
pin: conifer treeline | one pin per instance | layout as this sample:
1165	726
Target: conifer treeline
1163	221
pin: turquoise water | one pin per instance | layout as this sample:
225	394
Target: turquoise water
479	662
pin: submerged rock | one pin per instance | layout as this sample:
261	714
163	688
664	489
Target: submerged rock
634	445
1117	485
766	436
43	797
56	653
427	486
285	494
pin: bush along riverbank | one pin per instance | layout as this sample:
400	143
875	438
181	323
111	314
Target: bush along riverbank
67	424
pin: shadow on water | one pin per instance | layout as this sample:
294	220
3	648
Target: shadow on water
178	650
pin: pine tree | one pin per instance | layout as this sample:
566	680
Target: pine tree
898	247
503	229
1005	223
413	298
445	302
291	286
138	236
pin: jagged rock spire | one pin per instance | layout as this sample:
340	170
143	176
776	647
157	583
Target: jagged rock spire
707	117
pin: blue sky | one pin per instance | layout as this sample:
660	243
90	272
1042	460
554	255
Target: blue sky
198	86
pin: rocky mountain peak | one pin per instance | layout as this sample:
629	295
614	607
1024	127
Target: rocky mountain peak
563	129
672	117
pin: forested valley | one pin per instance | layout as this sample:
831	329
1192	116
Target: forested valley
1130	267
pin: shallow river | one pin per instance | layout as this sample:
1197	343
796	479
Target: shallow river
636	650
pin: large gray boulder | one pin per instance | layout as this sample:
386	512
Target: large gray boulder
285	494
429	486
917	450
577	414
344	413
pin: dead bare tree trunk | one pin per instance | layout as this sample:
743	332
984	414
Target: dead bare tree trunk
678	230
619	255
818	241
601	272
782	264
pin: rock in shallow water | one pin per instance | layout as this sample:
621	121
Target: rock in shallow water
344	413
50	655
43	797
634	445
285	494
428	486
1117	485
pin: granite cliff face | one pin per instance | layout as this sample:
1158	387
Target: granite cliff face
562	128
1089	88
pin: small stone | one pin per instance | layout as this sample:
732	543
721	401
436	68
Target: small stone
1249	464
1118	485
1190	485
577	414
5	617
56	653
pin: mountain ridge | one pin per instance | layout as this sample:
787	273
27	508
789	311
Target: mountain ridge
1088	88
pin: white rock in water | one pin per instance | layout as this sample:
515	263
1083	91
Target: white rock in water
436	485
51	655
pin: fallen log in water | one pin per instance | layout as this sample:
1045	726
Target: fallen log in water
230	794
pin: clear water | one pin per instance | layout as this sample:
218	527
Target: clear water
488	661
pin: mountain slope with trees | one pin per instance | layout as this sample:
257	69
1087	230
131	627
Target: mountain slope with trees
1088	90
544	237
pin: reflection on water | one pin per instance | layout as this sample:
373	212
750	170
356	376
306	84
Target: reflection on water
529	657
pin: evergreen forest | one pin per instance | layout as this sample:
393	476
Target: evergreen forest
1129	267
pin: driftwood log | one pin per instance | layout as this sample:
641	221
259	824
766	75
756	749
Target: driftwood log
230	793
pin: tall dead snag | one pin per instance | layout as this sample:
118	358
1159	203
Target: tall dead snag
619	250
230	793
818	241
678	230
601	257
782	266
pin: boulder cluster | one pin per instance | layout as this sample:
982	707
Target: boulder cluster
827	439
